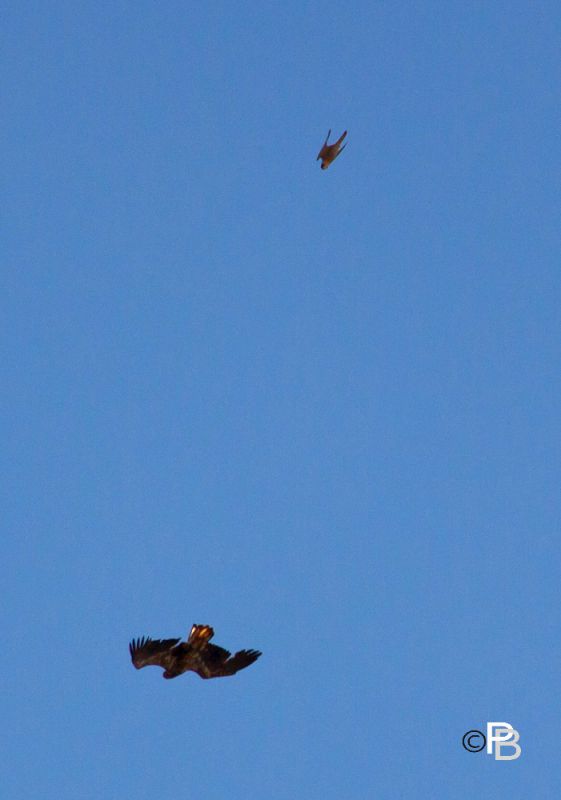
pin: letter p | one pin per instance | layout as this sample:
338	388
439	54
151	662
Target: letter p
504	736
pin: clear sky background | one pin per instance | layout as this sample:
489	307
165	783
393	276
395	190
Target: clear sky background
317	410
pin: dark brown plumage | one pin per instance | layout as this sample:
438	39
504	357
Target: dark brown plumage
195	655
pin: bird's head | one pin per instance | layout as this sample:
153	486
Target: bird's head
324	165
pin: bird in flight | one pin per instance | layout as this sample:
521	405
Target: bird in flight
329	152
195	655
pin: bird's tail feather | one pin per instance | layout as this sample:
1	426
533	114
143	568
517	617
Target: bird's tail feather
200	635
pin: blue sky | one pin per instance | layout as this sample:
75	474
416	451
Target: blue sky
317	410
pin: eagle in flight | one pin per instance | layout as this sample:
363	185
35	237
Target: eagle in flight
194	655
329	152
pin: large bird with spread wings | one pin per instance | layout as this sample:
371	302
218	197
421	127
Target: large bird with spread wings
195	655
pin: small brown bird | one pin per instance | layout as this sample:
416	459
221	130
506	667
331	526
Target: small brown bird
195	655
329	152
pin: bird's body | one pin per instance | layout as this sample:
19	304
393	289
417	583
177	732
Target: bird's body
329	152
195	655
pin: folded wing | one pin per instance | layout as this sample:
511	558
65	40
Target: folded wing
325	148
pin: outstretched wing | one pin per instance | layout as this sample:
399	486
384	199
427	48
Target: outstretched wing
147	652
215	662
